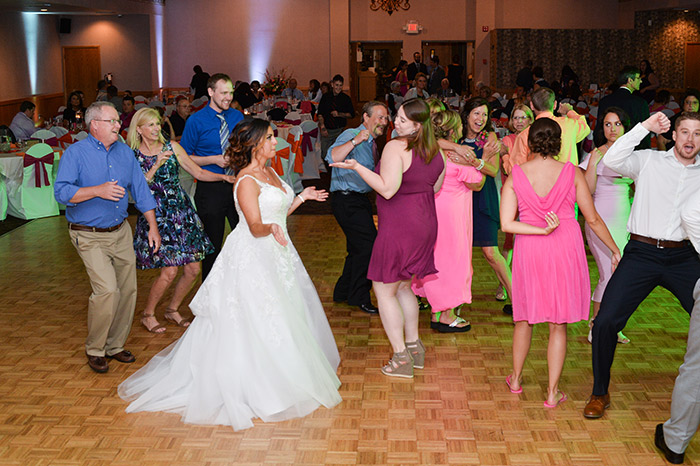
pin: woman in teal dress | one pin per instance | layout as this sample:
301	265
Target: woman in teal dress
184	243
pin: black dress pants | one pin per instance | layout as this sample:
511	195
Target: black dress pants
353	211
643	267
215	204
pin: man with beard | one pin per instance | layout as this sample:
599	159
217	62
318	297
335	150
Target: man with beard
206	139
351	206
658	253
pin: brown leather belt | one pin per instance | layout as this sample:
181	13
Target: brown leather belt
660	243
77	227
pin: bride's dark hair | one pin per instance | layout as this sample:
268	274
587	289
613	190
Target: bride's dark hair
244	138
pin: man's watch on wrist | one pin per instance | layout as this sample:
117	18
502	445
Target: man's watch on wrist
352	141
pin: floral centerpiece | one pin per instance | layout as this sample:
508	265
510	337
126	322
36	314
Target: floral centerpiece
276	82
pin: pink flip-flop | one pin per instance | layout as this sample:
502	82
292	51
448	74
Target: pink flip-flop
561	400
520	390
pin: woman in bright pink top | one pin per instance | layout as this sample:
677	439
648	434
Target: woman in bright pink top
402	77
550	271
451	286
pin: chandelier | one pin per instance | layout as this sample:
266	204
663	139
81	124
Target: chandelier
389	6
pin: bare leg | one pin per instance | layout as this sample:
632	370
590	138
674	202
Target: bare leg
182	287
391	313
409	305
498	264
160	285
556	353
522	337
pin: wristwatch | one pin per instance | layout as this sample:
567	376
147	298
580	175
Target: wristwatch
352	141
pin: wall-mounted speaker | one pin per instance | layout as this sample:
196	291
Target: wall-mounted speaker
64	25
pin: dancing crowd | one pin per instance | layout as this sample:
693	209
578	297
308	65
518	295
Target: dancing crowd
261	346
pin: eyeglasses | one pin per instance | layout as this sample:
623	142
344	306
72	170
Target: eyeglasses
111	122
521	118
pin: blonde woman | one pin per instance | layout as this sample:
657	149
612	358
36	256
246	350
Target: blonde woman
184	242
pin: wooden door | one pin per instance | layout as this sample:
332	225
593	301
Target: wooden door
81	71
692	65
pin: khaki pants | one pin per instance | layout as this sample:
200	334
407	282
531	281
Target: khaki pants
111	265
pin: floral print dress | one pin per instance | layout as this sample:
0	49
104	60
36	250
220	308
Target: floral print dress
182	235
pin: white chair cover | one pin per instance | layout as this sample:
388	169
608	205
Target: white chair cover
27	201
293	117
156	103
61	109
58	131
140	106
313	161
43	134
290	176
668	112
673	106
80	136
139	99
169	109
3	199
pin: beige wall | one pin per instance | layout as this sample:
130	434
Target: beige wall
243	38
556	14
125	48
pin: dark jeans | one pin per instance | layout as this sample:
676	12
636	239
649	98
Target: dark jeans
643	267
214	202
353	211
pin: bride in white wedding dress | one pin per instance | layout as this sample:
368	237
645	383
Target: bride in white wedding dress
260	345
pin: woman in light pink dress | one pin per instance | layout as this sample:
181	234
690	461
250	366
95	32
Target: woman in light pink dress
611	196
451	287
550	272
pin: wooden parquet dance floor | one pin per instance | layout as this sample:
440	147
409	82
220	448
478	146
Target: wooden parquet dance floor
55	411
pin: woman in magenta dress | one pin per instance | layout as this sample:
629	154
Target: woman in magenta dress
407	177
611	197
402	76
550	272
451	287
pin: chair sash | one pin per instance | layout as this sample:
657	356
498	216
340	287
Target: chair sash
276	162
282	104
292	122
295	145
65	141
39	168
306	142
305	106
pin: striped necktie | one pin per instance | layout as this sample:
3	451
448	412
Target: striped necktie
223	132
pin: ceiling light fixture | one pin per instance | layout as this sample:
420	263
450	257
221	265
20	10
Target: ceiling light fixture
389	6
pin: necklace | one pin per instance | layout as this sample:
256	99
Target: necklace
262	172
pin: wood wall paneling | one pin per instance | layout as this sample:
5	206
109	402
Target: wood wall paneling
46	106
81	70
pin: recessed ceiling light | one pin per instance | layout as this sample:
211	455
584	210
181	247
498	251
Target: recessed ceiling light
44	9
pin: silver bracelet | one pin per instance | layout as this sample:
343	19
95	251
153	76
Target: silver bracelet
301	198
481	164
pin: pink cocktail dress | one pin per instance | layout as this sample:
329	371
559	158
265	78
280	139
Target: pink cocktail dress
451	286
550	273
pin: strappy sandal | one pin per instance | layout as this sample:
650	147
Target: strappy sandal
417	351
156	328
400	365
180	323
452	327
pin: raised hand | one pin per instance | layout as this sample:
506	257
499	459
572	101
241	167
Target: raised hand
552	222
362	136
657	123
313	194
278	234
110	191
349	164
163	157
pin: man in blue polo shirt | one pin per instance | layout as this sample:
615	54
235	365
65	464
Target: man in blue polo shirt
92	181
206	139
351	206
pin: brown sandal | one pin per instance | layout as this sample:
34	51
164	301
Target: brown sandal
156	328
180	323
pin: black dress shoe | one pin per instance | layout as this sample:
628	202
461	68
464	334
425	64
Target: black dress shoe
508	309
97	363
123	356
369	308
671	456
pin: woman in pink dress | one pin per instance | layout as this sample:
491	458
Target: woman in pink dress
550	272
402	77
611	196
451	286
520	118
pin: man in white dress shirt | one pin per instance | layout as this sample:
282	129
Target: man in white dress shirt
658	253
673	436
292	91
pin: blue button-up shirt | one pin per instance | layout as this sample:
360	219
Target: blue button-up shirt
201	135
87	163
343	179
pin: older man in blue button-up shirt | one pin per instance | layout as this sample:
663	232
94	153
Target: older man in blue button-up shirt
92	181
351	206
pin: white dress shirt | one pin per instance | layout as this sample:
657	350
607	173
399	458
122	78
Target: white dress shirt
690	218
22	126
663	186
412	93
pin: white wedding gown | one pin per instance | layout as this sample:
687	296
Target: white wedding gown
260	345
